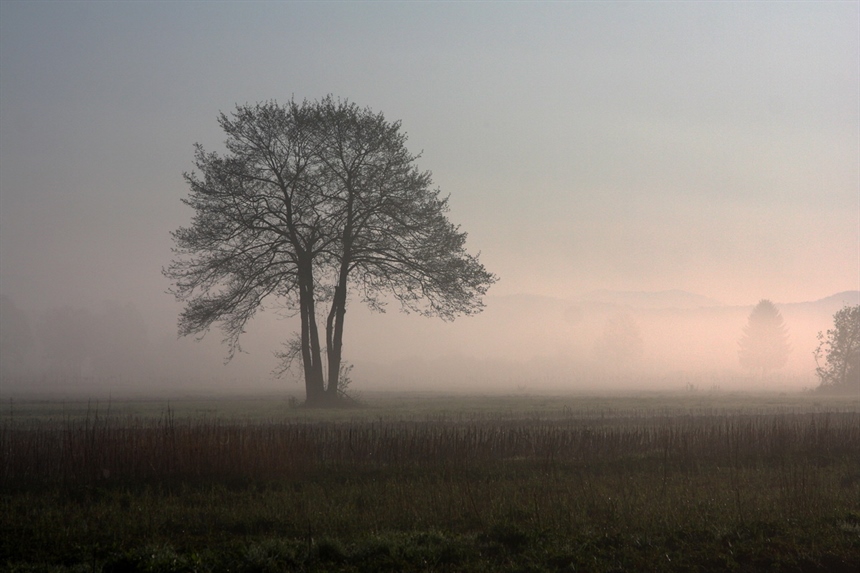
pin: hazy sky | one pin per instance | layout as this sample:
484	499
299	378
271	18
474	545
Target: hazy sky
708	146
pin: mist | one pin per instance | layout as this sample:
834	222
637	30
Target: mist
602	341
639	176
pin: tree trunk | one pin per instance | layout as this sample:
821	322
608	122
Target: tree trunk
334	339
334	323
311	354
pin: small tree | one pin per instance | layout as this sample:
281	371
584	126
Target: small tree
764	345
840	349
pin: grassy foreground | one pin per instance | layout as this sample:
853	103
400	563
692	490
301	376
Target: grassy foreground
563	485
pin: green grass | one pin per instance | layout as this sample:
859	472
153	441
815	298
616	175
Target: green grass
587	483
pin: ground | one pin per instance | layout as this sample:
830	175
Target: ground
429	482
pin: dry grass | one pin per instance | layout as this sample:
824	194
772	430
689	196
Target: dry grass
503	492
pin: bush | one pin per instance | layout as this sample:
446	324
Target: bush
840	348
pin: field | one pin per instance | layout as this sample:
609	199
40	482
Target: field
410	482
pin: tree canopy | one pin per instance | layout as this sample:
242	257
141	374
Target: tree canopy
764	345
840	348
311	203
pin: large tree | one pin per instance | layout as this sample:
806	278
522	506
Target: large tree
313	202
764	345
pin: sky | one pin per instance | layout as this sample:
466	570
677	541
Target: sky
710	147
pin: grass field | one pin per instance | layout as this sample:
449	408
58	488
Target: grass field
411	482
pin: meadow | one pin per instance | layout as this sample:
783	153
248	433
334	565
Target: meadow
426	482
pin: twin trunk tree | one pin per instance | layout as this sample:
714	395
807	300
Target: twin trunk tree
313	202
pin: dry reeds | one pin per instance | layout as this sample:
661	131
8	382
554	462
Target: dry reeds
103	448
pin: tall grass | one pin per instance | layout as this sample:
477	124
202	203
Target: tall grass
583	485
103	449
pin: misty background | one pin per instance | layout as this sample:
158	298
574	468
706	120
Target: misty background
642	172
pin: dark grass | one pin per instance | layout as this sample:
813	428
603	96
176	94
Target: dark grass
594	489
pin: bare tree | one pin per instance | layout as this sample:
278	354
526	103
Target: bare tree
764	345
314	201
840	349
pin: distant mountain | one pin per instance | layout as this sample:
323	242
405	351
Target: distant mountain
829	304
645	300
849	297
651	300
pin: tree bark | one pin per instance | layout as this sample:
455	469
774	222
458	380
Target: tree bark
334	323
311	354
334	339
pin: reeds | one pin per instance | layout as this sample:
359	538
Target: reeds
591	490
100	449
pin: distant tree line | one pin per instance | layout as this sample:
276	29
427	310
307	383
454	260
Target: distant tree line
67	344
764	346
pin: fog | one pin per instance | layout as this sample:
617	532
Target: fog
634	172
604	341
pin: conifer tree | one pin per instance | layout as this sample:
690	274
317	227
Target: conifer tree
764	346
